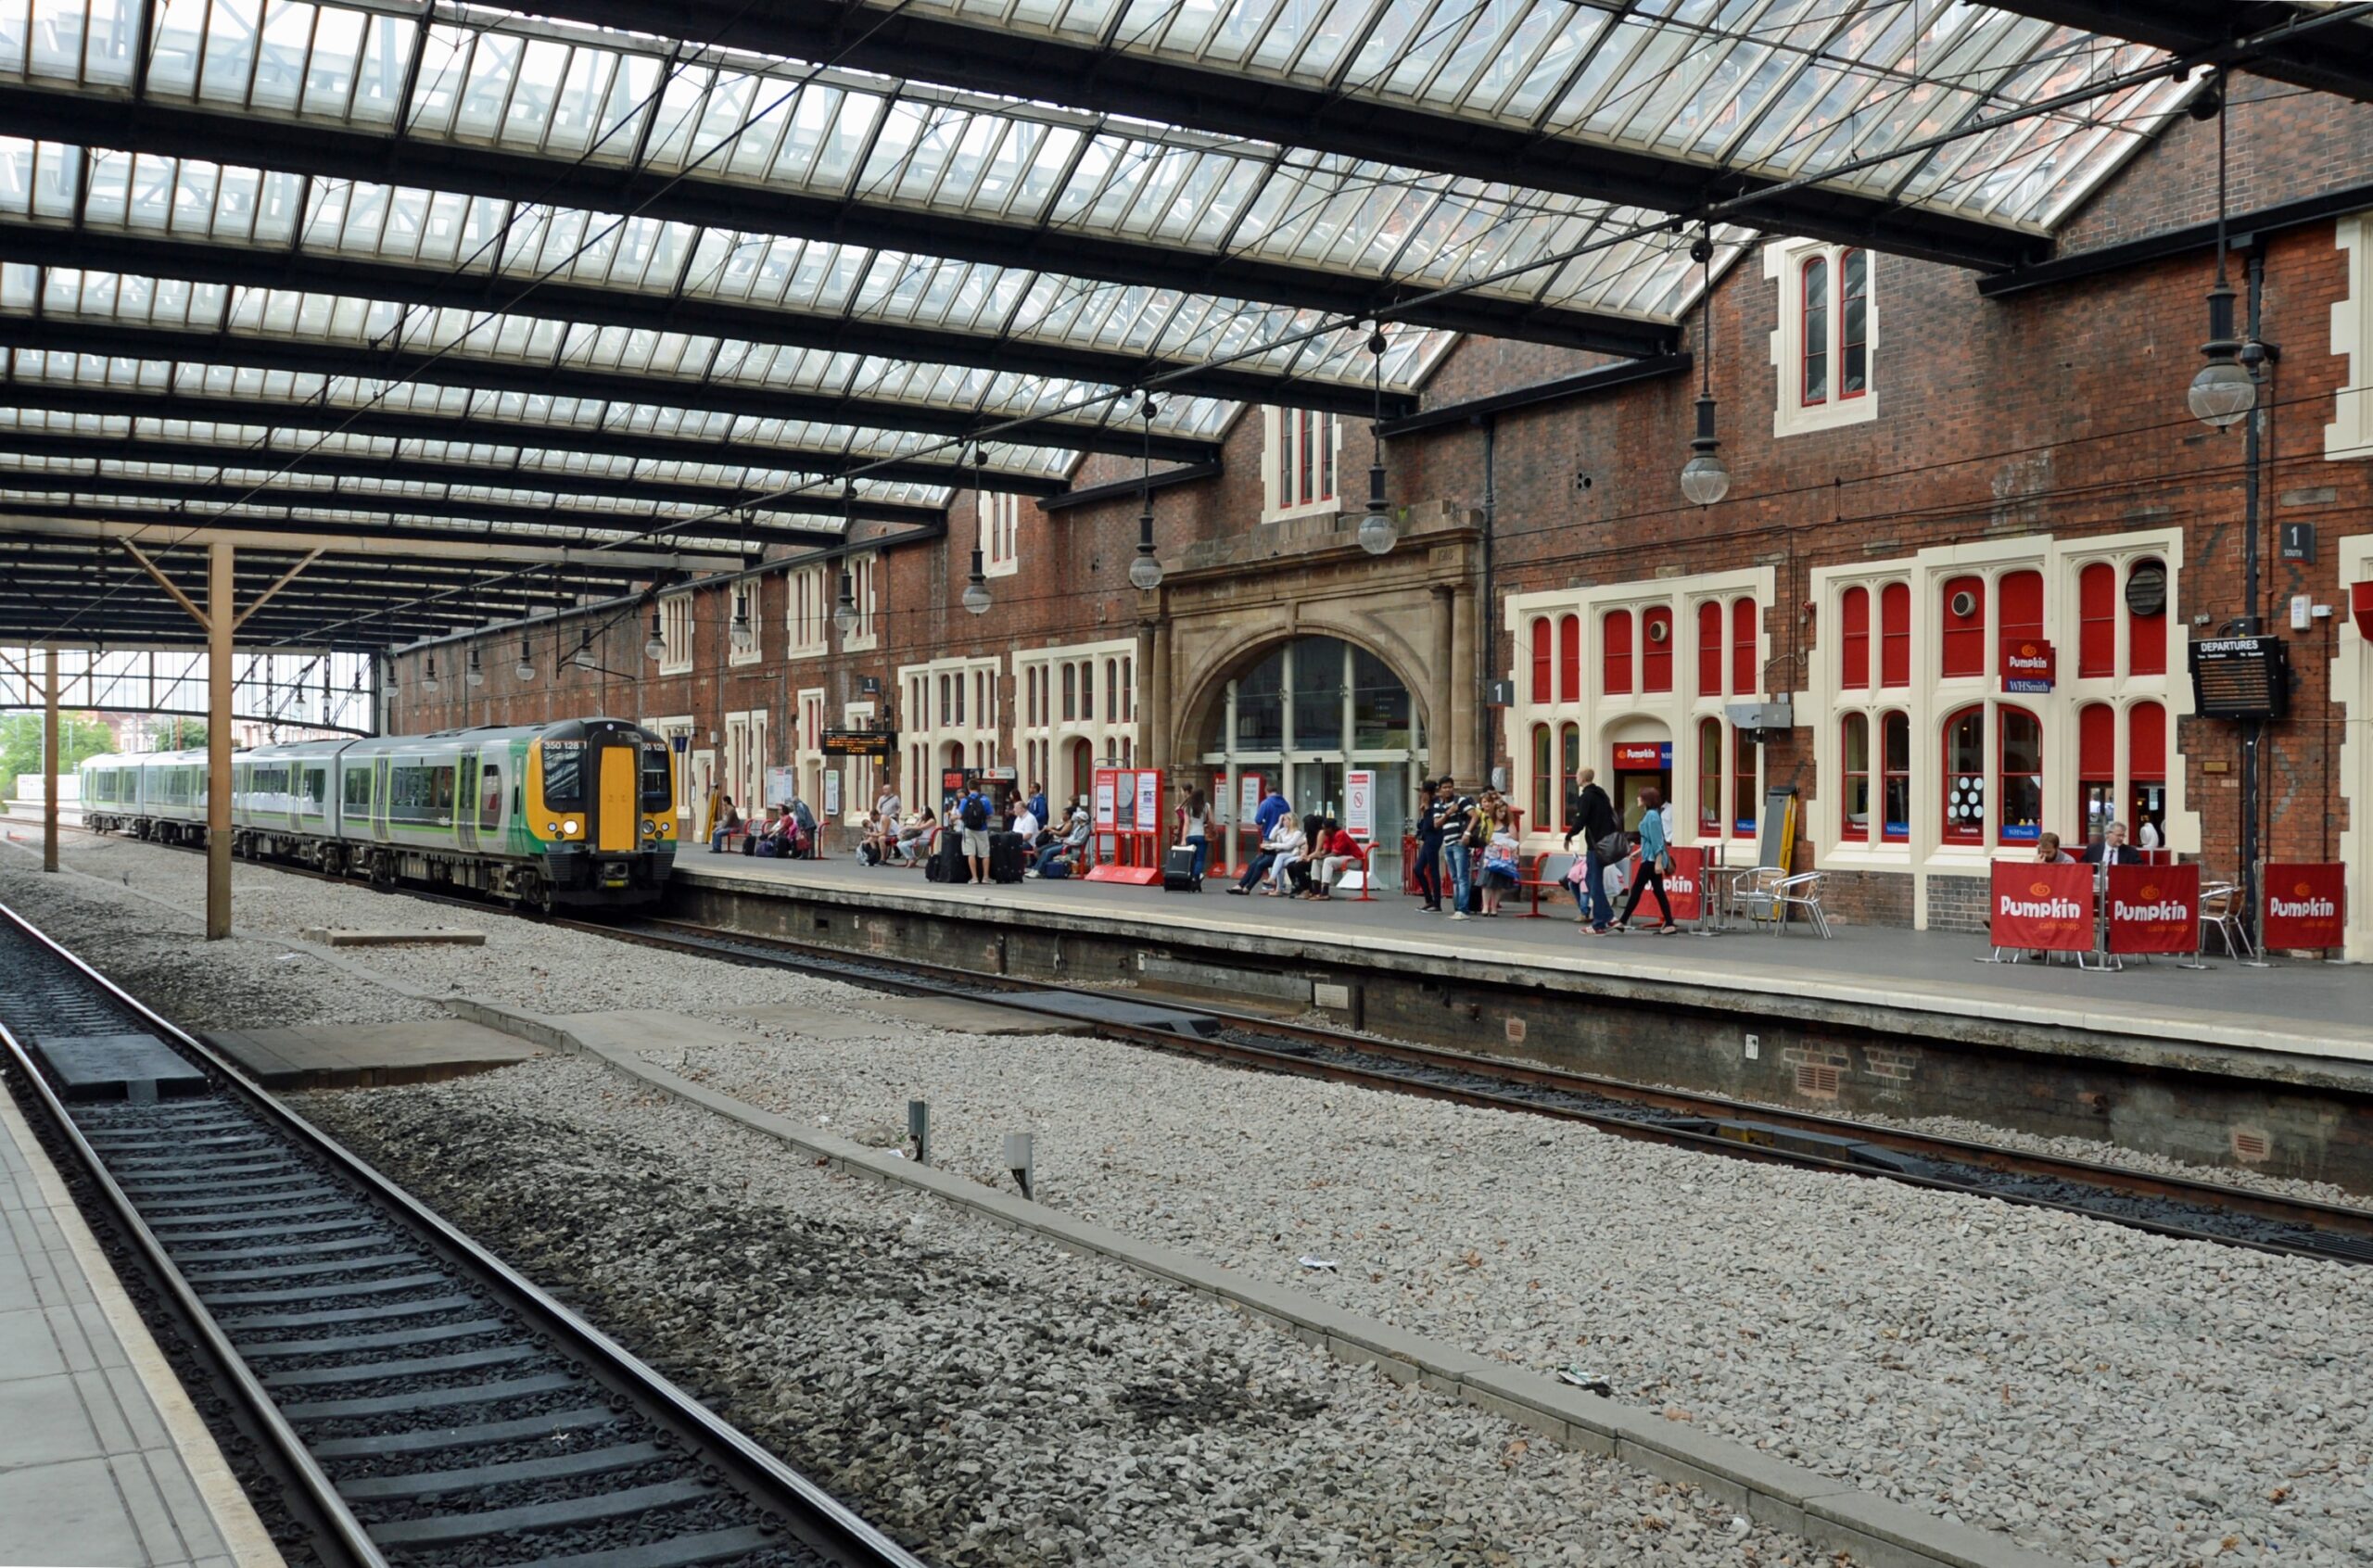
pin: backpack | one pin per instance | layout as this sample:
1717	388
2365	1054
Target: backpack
976	813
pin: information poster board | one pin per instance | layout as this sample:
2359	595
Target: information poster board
2153	908
2041	908
2306	905
1359	803
1128	817
831	796
1148	800
1250	788
782	784
1104	789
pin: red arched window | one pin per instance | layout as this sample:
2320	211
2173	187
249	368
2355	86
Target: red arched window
2096	768
2146	636
1747	673
2022	607
1569	764
1541	773
1816	300
1570	659
2146	743
1709	772
1656	650
1963	599
2019	789
1895	776
1895	635
1854	324
2097	620
1615	653
1854	640
1539	659
1963	784
1854	800
1710	649
1743	780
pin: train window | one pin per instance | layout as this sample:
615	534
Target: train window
317	787
490	798
654	777
421	793
564	774
358	789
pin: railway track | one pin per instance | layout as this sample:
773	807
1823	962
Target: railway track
2192	1209
421	1404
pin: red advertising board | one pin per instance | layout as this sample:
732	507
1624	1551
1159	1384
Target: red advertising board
2047	908
2306	905
2154	908
1685	883
2028	664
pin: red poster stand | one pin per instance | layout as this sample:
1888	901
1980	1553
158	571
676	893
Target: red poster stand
2152	908
2037	908
1127	810
2303	906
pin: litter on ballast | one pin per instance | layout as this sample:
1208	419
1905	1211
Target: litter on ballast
1589	1381
1310	1262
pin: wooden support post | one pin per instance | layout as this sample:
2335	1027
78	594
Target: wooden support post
49	760
223	615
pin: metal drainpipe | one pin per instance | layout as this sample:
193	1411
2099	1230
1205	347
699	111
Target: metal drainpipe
1486	614
2253	730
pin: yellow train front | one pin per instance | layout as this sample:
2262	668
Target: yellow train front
599	809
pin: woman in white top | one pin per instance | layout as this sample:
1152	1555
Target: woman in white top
1287	846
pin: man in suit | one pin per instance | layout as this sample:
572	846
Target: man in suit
2113	849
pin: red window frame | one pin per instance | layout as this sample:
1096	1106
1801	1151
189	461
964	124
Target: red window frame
1541	760
2146	743
2097	620
1849	728
1853	639
1569	762
2146	636
1615	653
1960	829
1569	658
1812	385
1746	779
1894	767
1709	777
2007	716
1709	648
1656	652
1963	646
2019	607
1747	673
1895	635
1540	658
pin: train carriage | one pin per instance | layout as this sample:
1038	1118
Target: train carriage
577	812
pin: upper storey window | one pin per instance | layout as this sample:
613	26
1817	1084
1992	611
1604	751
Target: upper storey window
1297	467
1826	339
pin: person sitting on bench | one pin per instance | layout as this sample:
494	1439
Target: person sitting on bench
1064	850
728	822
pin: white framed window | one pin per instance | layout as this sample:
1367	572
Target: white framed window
808	612
1298	468
1824	349
1000	535
2349	434
743	601
860	569
675	634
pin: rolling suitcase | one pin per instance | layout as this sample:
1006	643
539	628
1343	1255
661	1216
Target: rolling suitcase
1178	870
946	863
1005	857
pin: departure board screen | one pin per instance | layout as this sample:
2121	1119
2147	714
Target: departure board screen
2239	678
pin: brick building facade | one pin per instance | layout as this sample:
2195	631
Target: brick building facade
2017	467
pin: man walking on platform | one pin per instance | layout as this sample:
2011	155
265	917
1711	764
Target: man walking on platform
1591	813
1430	846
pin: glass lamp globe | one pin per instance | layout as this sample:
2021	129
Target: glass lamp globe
1145	573
844	618
1703	479
527	670
976	598
2221	394
1377	534
474	675
428	681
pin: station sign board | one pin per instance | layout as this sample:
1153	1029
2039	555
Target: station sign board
1643	756
2239	678
881	745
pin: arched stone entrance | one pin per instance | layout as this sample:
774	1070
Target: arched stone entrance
1298	714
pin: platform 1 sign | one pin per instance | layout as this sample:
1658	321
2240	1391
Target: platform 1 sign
2041	908
2153	908
2306	906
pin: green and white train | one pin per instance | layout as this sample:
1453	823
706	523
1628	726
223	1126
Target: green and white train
579	813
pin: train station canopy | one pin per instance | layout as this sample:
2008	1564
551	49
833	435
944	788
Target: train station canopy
498	306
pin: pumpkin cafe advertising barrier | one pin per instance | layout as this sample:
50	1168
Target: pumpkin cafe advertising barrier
2302	906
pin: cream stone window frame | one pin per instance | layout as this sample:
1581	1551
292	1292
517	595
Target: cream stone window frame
2352	687
862	570
676	622
936	693
807	611
1045	736
1000	535
751	592
674	727
2349	434
1784	265
1278	426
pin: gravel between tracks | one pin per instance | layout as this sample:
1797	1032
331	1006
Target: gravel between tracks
993	1400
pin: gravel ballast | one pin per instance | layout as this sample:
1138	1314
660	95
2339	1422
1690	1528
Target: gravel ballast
990	1399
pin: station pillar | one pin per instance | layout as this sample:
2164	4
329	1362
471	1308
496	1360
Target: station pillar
221	619
49	760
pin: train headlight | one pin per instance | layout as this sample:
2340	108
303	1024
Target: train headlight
569	826
649	825
551	830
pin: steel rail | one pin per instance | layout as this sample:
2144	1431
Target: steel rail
824	1522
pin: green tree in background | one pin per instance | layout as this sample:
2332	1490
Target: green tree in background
181	735
78	737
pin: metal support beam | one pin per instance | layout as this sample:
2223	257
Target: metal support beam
281	582
2336	59
223	608
166	584
328	150
623	561
49	760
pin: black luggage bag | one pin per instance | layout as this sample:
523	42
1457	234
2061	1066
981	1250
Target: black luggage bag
1005	856
946	863
1178	870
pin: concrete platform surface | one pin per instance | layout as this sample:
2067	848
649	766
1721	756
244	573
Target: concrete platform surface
102	1458
349	1055
928	1012
2299	1008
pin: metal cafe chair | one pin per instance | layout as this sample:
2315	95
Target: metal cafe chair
2220	911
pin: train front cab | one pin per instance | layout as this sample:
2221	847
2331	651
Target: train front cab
600	798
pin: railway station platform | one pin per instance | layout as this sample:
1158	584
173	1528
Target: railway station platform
102	1458
2270	1069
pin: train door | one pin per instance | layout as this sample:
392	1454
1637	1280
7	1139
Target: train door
615	801
379	800
465	794
491	819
